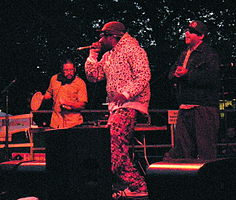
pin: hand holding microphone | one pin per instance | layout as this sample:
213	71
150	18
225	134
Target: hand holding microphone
96	47
94	50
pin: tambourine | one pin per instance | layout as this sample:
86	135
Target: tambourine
36	101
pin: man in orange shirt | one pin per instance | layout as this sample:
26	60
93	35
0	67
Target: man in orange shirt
69	95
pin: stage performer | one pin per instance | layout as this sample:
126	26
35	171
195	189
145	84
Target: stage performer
125	67
69	95
196	77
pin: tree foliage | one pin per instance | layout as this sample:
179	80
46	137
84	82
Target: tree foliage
36	33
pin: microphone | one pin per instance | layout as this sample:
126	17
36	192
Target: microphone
85	47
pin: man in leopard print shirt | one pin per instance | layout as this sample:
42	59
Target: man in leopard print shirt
125	67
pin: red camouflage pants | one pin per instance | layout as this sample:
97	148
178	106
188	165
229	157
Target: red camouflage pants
122	122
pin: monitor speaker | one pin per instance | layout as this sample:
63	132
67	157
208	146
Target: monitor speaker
20	178
78	162
192	179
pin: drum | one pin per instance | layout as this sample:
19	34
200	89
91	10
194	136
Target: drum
36	101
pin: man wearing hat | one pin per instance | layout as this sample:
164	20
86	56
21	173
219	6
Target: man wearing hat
125	67
196	77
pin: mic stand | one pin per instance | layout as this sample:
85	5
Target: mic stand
5	154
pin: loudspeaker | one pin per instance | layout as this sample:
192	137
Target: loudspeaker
192	179
78	162
23	178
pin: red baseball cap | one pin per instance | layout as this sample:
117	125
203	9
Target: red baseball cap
114	27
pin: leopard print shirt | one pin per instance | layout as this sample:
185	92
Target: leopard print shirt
126	69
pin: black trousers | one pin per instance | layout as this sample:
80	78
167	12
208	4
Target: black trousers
196	133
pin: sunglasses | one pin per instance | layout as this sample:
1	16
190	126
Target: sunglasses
105	34
191	30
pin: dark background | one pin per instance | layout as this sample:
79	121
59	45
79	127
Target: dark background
35	34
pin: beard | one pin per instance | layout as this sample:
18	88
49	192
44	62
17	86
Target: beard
69	77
